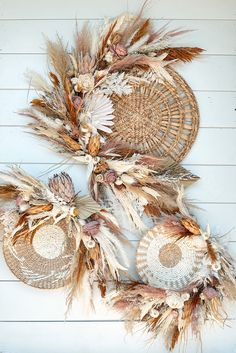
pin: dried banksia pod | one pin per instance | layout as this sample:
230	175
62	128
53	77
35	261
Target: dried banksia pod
191	225
71	143
94	145
101	167
62	186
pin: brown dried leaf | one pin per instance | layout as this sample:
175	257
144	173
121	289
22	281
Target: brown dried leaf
185	54
38	209
71	143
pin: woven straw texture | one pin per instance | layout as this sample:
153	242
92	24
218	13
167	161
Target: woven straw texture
166	263
161	119
35	263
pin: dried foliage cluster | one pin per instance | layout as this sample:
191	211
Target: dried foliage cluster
74	111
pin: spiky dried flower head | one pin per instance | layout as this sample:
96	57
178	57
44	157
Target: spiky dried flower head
62	186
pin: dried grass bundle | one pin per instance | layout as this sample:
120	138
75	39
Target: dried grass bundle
141	184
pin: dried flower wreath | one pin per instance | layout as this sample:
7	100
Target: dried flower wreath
187	275
78	111
54	237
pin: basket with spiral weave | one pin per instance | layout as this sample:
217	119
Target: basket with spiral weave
45	261
157	118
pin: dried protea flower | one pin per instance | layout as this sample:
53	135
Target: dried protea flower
101	167
118	49
62	186
91	228
94	145
191	225
110	176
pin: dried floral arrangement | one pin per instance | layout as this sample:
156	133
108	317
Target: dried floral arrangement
53	237
186	275
115	103
81	109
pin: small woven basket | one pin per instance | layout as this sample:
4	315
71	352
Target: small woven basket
45	262
161	119
166	263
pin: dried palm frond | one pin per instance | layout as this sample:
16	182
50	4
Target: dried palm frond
87	206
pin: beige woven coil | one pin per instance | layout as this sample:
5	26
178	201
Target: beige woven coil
157	118
164	262
44	263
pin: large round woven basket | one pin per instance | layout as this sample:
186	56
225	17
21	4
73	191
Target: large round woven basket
43	262
165	262
157	118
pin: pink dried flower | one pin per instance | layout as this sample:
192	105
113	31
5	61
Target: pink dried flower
118	49
210	292
77	102
91	228
110	176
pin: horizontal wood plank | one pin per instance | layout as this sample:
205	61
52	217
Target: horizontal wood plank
220	217
205	73
212	9
213	146
51	304
28	36
217	109
97	337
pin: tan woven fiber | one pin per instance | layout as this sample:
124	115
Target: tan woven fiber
157	118
30	267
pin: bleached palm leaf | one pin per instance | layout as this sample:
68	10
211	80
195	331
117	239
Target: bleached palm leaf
87	206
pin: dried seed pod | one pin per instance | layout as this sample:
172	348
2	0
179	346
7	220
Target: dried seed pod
101	167
191	225
74	211
91	228
71	143
94	145
110	176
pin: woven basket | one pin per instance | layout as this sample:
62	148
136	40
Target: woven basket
166	263
161	119
44	263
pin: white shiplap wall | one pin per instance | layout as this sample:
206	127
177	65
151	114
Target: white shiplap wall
32	321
